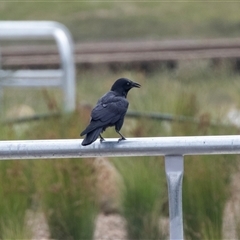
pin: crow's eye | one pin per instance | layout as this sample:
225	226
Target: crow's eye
128	83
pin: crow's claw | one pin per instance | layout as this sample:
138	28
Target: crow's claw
101	138
121	139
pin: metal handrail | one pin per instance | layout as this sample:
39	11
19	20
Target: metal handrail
157	146
173	148
43	30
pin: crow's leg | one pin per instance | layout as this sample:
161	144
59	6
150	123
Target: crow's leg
101	138
122	137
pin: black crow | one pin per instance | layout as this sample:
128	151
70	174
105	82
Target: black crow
109	111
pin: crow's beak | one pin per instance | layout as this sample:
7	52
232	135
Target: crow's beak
137	85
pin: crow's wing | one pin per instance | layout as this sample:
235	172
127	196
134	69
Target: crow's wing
109	109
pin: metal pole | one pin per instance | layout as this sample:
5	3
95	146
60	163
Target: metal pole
173	148
65	47
35	30
1	102
1	88
158	146
174	172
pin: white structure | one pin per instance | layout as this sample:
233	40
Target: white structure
173	148
42	30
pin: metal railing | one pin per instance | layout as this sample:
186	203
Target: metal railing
173	148
42	30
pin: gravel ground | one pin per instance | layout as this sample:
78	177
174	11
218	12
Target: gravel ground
110	227
37	225
107	227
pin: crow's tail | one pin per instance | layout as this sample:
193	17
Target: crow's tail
91	136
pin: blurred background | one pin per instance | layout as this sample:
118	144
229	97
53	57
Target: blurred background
188	65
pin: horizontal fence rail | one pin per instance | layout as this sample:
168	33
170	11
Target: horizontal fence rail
158	146
173	148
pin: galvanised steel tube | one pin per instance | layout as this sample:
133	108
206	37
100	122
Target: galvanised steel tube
173	148
35	30
71	148
65	47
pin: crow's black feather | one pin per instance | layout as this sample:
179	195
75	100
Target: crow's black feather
109	111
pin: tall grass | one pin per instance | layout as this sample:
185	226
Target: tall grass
15	195
204	195
67	197
65	189
144	195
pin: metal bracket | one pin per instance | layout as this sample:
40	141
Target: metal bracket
174	172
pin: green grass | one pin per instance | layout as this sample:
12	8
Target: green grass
215	90
67	198
92	21
65	188
15	194
144	195
205	192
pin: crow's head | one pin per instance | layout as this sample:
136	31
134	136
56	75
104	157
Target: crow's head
123	85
